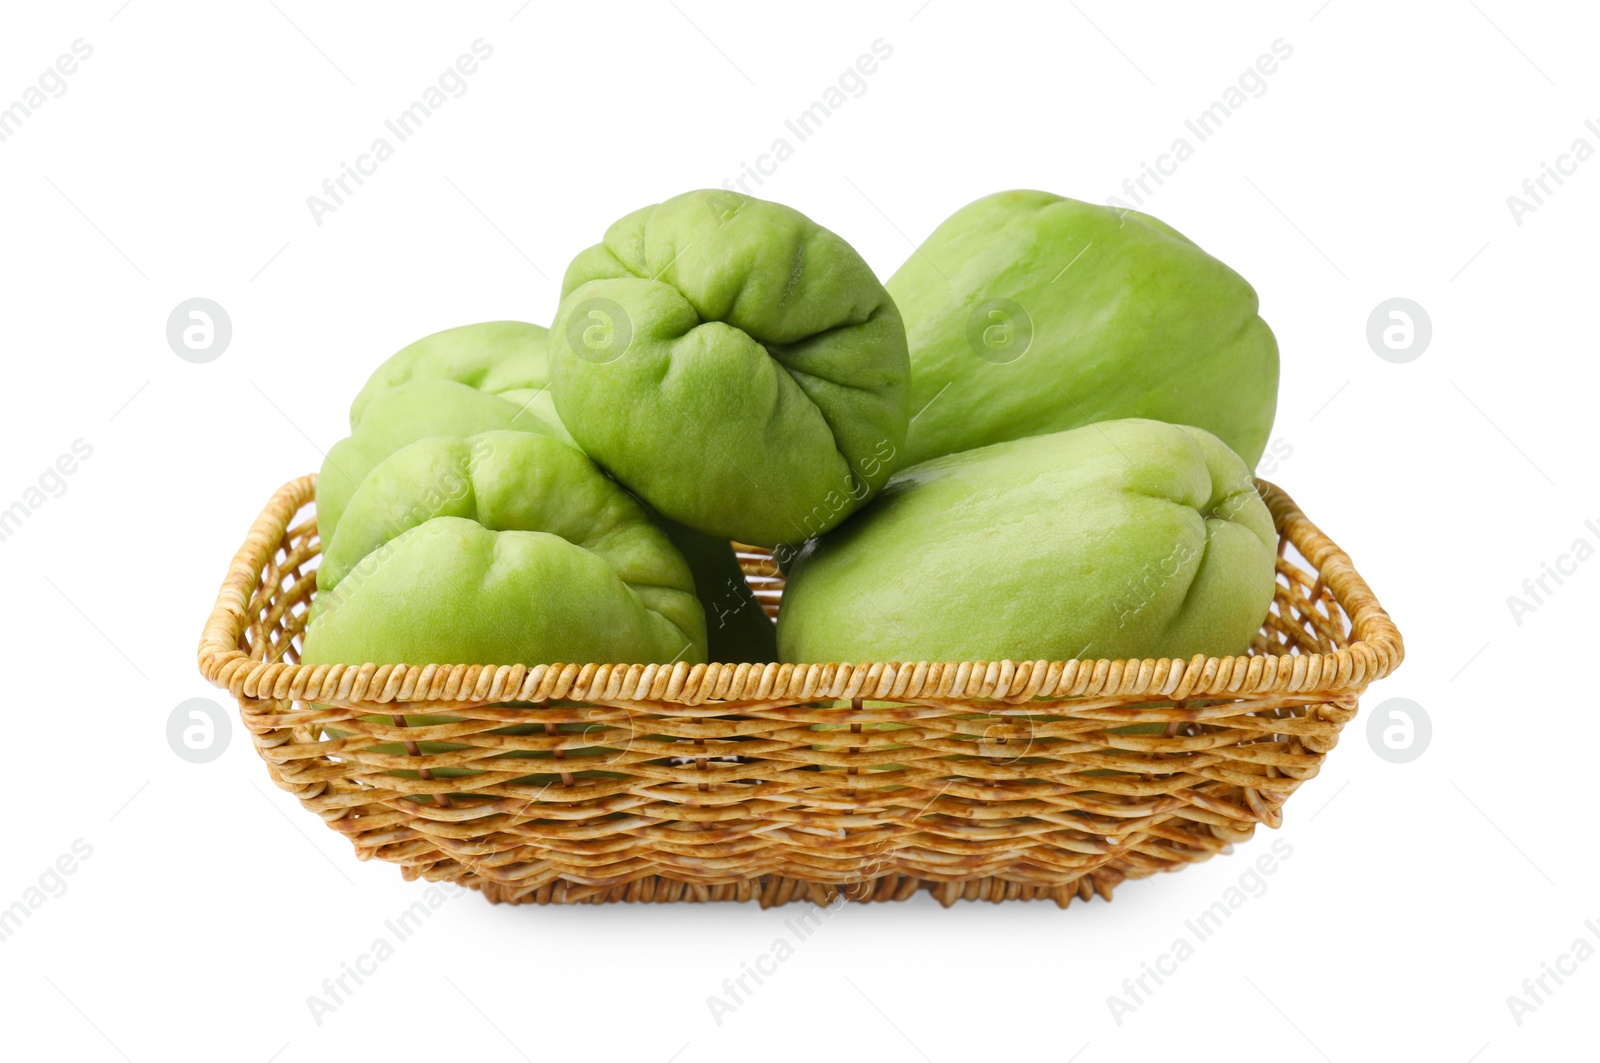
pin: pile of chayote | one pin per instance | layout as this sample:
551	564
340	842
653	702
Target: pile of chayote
1034	442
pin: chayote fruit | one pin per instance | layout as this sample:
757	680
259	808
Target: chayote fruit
738	630
1028	313
399	417
509	359
734	364
506	547
1129	538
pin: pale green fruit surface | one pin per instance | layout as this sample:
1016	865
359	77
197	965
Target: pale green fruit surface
509	359
734	364
503	548
398	417
738	630
1130	538
1027	313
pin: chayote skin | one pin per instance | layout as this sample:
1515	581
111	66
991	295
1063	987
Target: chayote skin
734	364
399	417
1028	313
506	547
509	359
1124	539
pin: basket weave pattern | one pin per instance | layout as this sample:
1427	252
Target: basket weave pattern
780	782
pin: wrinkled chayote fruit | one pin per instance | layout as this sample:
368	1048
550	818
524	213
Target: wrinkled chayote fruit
507	547
1028	313
734	364
398	417
1129	538
508	359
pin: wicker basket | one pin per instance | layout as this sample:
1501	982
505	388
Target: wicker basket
780	782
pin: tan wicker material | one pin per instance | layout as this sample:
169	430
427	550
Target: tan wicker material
978	780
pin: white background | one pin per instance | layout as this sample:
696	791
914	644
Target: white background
1376	164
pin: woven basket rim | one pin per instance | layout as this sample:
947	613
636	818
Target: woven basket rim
1377	650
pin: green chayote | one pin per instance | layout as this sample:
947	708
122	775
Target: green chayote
734	364
398	417
1027	313
509	359
738	630
506	547
1128	538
